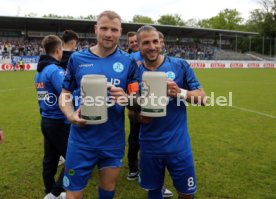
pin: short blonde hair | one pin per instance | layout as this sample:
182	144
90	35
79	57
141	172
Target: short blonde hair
110	14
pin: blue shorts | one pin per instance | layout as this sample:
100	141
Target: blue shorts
180	167
80	163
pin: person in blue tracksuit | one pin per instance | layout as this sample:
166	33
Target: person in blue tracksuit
164	141
99	145
55	129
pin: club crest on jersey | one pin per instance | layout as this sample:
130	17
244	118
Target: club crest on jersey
170	75
66	181
118	67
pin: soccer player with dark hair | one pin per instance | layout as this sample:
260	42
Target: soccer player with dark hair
164	141
162	42
55	129
70	40
133	139
69	44
99	145
132	42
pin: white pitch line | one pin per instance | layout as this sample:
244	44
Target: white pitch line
253	111
15	89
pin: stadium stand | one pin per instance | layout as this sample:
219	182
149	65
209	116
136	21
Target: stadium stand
261	57
21	36
231	55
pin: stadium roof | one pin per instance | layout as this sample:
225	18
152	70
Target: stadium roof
57	25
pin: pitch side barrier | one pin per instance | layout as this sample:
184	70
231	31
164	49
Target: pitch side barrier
194	64
29	63
231	64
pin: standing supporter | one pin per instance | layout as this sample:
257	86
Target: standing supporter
70	39
132	42
21	64
55	129
133	139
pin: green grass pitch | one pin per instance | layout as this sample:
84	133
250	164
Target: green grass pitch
234	147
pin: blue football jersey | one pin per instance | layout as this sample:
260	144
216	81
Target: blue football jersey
138	57
48	84
169	134
120	70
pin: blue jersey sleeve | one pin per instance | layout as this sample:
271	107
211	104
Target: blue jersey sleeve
69	82
132	75
190	80
56	79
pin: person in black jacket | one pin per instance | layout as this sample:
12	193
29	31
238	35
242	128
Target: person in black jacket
70	40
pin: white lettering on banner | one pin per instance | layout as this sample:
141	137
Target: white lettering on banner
197	65
7	66
253	65
217	65
236	65
268	65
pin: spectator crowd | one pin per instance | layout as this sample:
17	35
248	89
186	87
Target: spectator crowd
33	47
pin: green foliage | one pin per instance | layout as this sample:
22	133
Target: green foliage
228	19
263	20
31	14
142	19
58	16
174	20
269	25
234	150
256	18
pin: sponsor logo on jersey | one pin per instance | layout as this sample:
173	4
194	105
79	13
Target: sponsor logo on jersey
41	95
118	67
39	85
115	81
85	65
170	75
